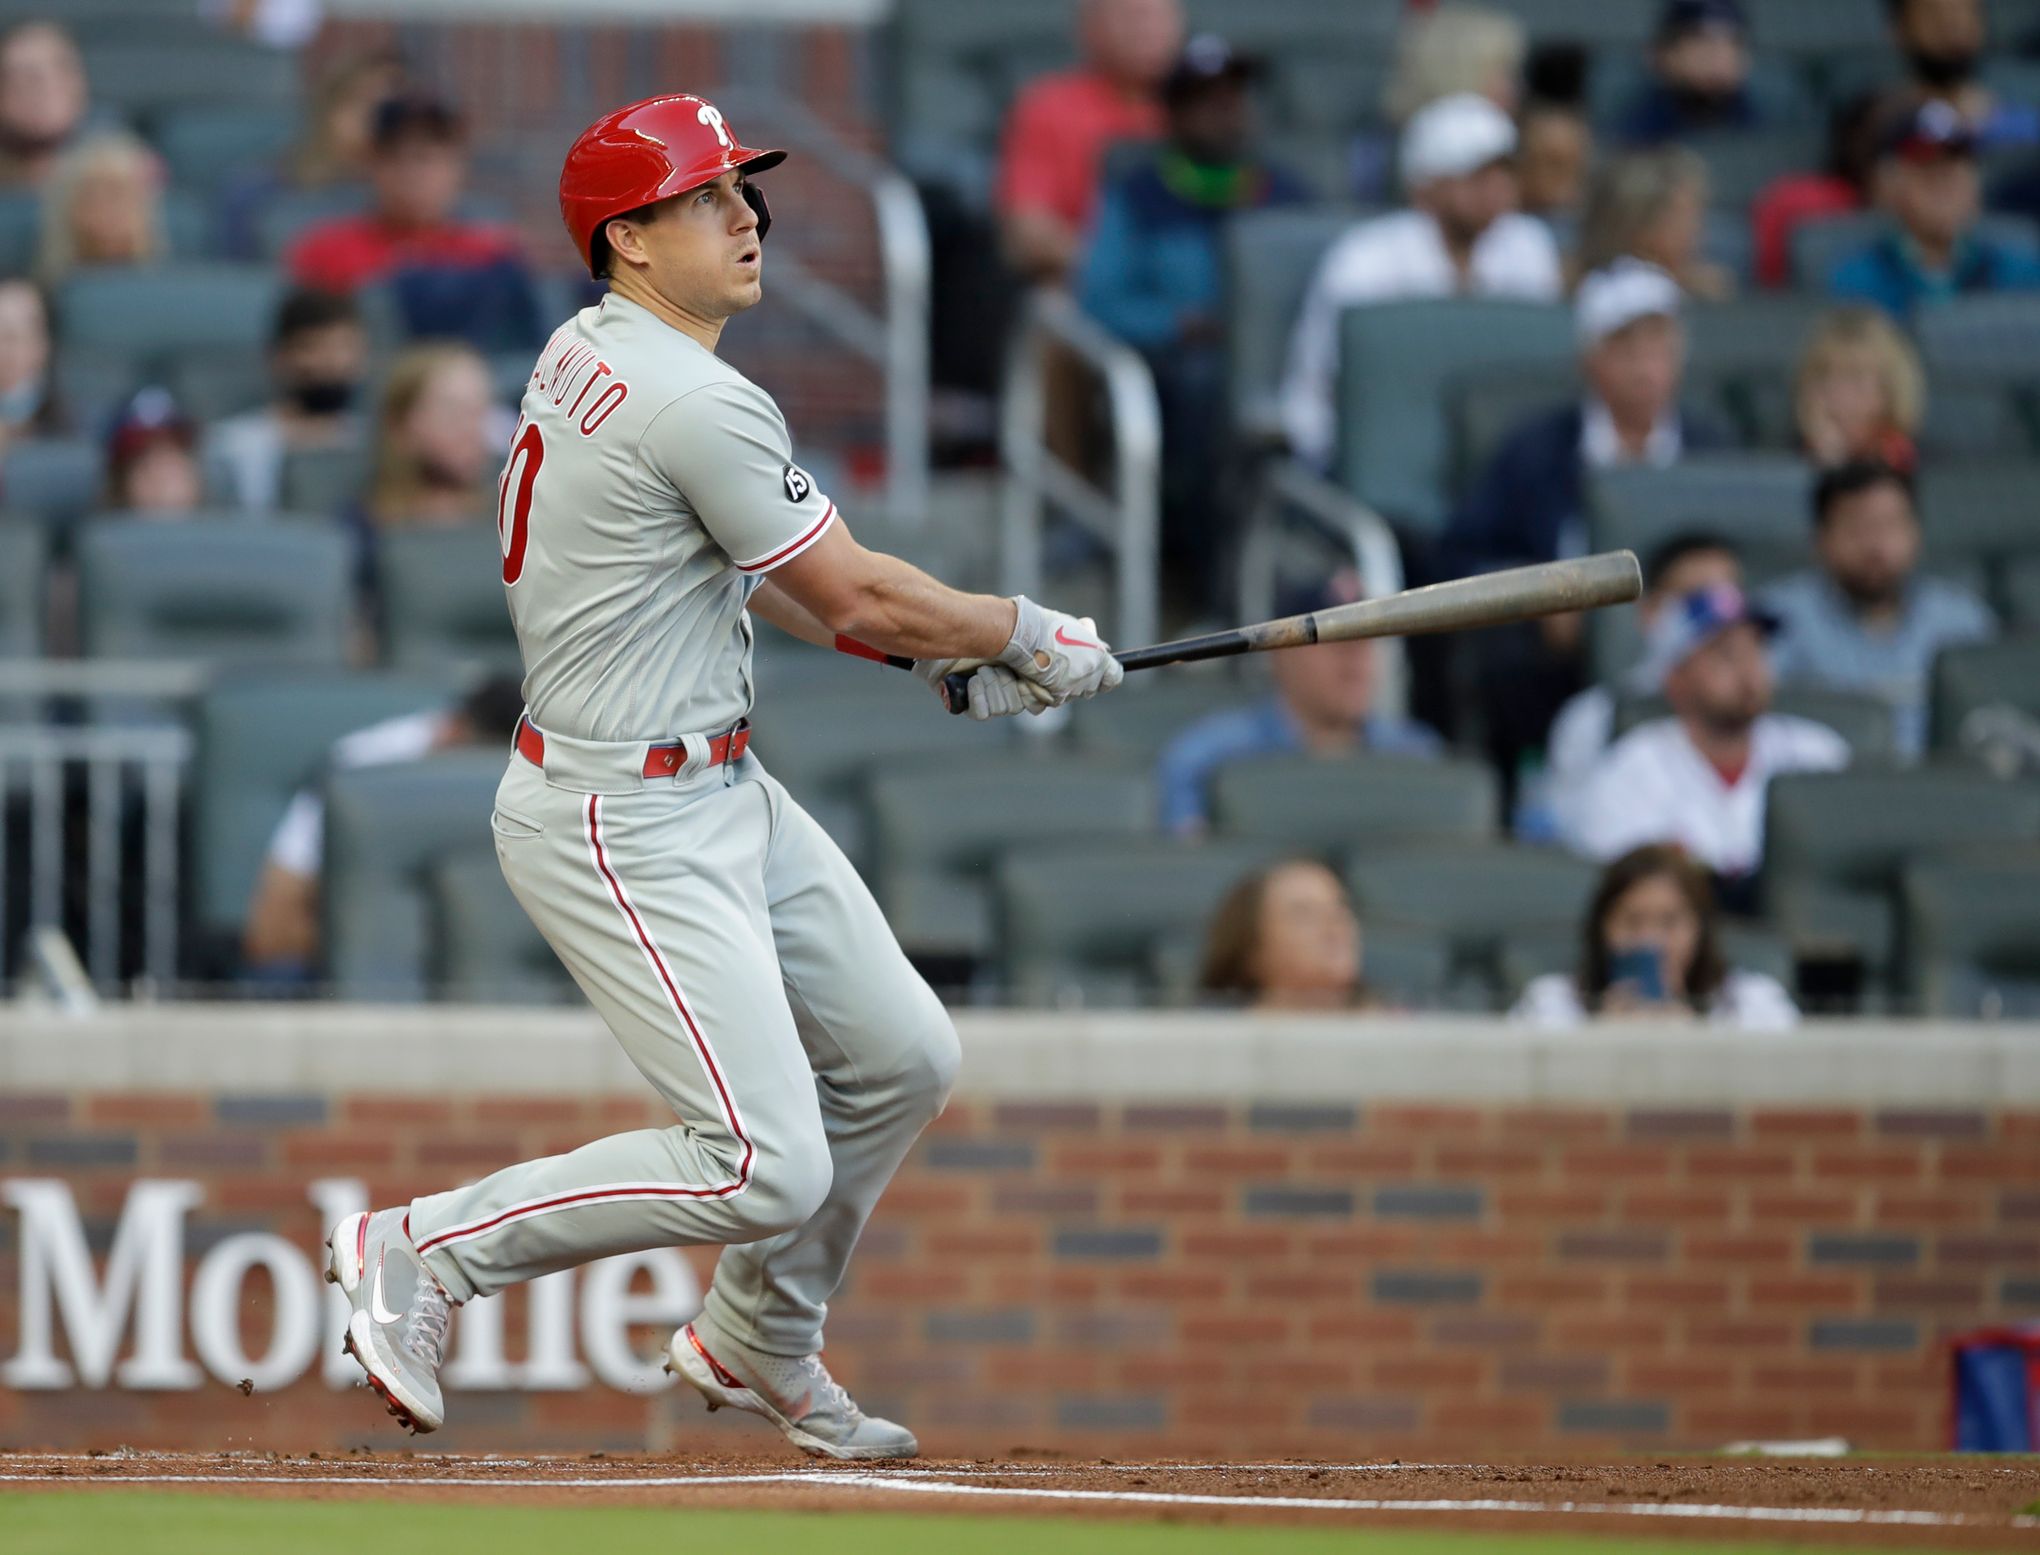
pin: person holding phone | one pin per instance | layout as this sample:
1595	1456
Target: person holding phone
1651	950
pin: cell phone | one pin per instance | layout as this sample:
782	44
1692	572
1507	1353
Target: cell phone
1641	968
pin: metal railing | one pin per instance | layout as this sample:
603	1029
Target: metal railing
894	338
1291	490
1123	515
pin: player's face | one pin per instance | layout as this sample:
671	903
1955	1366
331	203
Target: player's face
703	253
1654	914
1309	947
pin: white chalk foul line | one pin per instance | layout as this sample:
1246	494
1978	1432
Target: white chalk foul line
881	1481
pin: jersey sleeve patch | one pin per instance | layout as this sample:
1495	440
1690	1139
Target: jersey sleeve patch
794	547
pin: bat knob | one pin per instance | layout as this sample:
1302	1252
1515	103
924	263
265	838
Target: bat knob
956	692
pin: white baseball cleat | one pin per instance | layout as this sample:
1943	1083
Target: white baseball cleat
796	1393
397	1330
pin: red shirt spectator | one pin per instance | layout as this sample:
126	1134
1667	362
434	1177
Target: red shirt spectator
350	252
1061	124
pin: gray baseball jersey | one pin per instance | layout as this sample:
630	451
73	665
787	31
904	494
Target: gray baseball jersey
724	938
650	486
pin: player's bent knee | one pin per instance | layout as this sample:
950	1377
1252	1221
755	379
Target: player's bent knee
787	1186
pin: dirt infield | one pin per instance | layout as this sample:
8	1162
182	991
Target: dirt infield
1971	1503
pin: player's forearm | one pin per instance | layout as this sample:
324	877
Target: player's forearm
897	608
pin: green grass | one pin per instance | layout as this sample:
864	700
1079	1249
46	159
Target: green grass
91	1522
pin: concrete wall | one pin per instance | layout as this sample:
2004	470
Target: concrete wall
1133	1233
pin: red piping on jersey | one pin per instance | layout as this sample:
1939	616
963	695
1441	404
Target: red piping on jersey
702	1051
789	551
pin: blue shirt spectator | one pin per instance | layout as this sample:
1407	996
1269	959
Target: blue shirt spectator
1322	704
1865	620
1928	182
1700	69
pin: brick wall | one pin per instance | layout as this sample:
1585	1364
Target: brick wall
1325	1278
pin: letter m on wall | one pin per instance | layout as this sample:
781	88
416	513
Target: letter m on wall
142	1288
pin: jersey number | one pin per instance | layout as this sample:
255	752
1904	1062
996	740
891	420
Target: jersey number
513	511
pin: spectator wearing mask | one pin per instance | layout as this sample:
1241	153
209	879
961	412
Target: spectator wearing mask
102	204
280	942
1860	392
1461	236
43	100
152	468
1529	503
1060	126
1322	704
1652	205
1864	618
1685	564
1286	938
318	357
1697	778
1699	75
1928	183
1652	951
29	403
1943	42
1154	276
436	451
451	278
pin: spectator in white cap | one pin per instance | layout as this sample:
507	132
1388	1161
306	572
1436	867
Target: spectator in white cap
1698	777
1462	236
1529	503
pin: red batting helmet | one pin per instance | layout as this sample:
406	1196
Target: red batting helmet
651	151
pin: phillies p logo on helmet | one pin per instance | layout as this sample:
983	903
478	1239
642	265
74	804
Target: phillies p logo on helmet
711	115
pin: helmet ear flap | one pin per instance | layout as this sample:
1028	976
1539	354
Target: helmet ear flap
755	198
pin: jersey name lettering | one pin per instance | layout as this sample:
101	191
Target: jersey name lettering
569	366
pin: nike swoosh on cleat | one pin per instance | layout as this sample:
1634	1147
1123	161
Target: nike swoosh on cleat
376	1309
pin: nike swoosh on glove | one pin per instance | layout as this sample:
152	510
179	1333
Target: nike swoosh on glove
1064	655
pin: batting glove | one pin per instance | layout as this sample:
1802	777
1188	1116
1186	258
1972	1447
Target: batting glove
995	691
1063	655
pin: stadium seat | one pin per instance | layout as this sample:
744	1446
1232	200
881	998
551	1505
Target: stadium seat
1863	720
259	739
148	313
55	480
1397	364
1759	501
1746	947
1740	163
1995	674
141	77
1741	356
823	743
325	481
222	590
1817	27
208	143
1487	408
1085	920
485	949
1475	895
1972	935
1591	22
387	829
22	601
1820	245
1325	806
1977	515
20	229
1151	710
1985	334
1836	842
2019	592
935	851
442	598
1270	257
212	385
287	213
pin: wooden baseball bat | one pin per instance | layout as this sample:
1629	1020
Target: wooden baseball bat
1485	599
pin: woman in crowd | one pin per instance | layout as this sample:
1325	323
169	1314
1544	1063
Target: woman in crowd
1860	392
103	205
436	448
1651	950
1456	48
1286	938
152	468
1652	205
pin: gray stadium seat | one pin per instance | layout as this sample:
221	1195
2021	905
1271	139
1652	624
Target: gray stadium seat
22	553
1985	334
1397	362
212	385
326	481
207	143
1486	409
1270	257
2019	592
1863	720
1592	22
20	230
143	76
1980	514
1758	501
1995	674
226	591
260	738
938	832
54	480
1085	920
442	598
485	950
1151	710
288	213
1741	162
1836	842
387	829
148	313
1475	895
1820	245
1817	27
1329	806
1972	935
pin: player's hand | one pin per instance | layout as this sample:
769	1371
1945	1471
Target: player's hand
1063	655
995	691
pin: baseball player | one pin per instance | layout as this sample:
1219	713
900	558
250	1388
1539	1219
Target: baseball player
650	507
